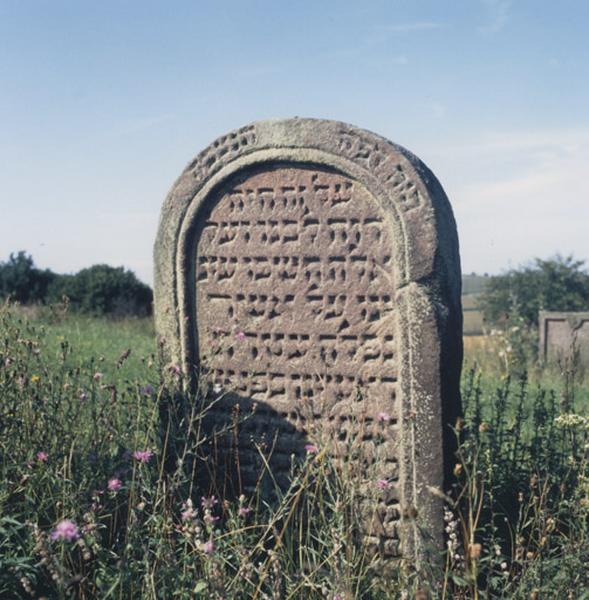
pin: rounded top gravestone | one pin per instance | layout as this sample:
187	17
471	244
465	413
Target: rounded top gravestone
313	268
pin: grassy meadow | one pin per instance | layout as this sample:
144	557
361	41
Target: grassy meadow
101	454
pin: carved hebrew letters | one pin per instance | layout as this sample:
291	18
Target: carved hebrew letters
295	307
307	274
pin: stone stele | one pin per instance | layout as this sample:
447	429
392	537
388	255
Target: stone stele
564	337
311	270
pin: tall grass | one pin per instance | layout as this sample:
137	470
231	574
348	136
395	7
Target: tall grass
103	460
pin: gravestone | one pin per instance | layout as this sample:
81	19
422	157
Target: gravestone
312	269
564	337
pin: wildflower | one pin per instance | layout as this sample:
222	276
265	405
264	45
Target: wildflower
146	390
240	335
383	484
383	417
143	456
208	547
208	502
457	469
175	370
217	388
188	513
97	376
114	484
244	511
209	518
65	530
35	378
83	397
474	551
42	456
504	566
311	449
338	597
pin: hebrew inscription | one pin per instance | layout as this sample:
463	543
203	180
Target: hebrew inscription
294	283
307	278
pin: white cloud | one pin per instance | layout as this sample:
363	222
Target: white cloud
497	15
518	195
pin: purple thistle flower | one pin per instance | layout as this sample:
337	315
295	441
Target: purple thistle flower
208	502
208	547
240	335
143	456
65	530
311	449
114	484
146	390
42	456
383	484
383	417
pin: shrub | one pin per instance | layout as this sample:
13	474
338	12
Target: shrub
104	290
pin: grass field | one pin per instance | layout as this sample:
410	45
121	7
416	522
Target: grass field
101	463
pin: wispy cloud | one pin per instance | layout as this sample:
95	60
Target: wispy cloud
497	15
517	195
412	27
400	60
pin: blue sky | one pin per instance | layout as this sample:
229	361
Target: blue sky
103	103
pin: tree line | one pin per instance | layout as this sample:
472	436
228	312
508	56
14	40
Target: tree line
97	290
557	284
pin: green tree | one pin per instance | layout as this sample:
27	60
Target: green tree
102	290
22	281
558	283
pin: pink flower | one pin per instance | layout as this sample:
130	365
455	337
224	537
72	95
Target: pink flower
311	449
175	370
188	513
209	518
143	456
383	484
240	335
114	484
208	502
338	597
244	511
383	417
42	456
208	547
65	530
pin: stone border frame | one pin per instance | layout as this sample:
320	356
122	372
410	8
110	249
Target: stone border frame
428	283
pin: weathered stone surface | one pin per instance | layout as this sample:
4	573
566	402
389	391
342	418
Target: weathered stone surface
562	334
313	268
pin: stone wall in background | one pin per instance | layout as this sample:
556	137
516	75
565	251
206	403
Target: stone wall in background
564	336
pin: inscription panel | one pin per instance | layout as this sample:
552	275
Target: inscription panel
295	310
